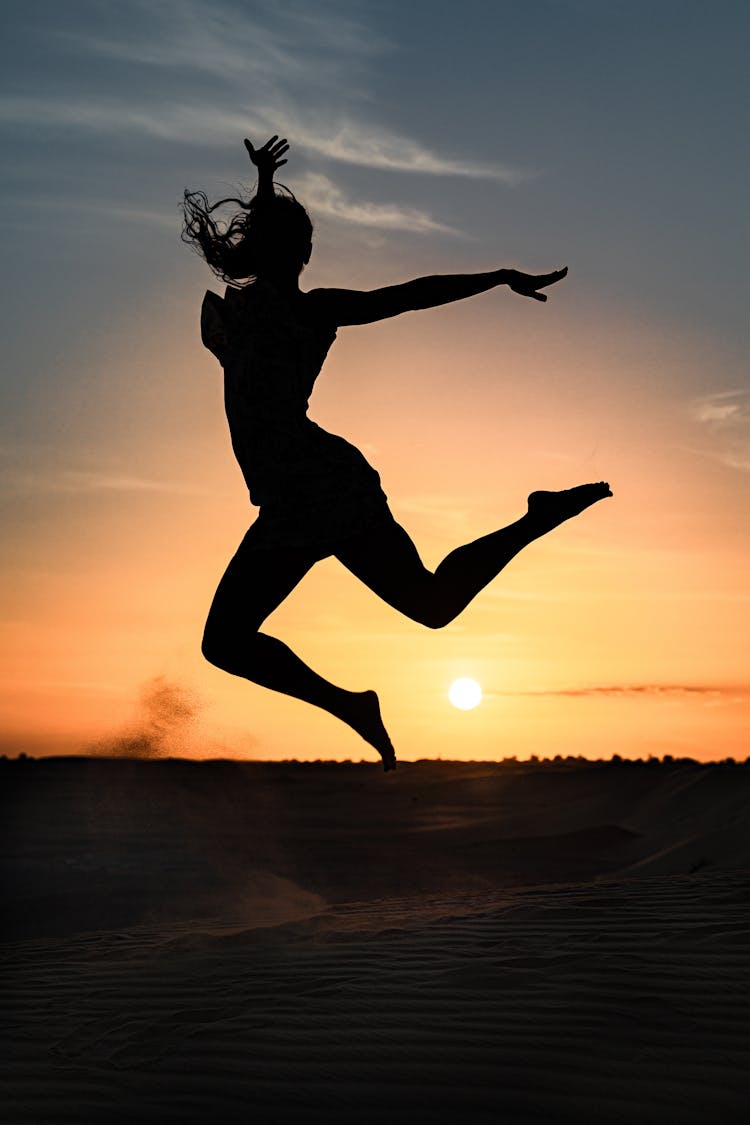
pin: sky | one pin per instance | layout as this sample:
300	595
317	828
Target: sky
425	138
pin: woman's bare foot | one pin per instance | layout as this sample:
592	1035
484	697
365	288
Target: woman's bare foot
363	715
549	509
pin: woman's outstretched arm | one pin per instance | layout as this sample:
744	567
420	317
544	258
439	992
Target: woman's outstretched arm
351	306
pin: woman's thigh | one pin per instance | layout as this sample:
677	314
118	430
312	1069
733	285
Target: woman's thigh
260	575
386	560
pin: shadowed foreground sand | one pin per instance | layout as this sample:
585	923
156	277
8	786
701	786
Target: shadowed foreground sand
229	942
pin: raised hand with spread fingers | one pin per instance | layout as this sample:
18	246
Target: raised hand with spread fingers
267	159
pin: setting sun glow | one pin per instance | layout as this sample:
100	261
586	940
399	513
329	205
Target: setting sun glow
465	694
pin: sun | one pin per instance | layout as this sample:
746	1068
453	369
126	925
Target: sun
465	694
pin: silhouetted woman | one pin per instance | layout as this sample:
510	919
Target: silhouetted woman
317	494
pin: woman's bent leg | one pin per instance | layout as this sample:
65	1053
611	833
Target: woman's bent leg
387	561
257	580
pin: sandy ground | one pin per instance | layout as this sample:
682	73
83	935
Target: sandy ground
229	942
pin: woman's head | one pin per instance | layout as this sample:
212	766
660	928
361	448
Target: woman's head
271	238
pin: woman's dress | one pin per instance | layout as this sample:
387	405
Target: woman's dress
313	488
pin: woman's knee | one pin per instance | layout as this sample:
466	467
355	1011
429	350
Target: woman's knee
226	643
425	603
214	647
437	617
431	611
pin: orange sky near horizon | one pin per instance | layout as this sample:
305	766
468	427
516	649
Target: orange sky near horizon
622	632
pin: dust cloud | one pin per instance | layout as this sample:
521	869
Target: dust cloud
165	724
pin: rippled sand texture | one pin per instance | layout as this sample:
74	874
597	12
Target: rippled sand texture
618	994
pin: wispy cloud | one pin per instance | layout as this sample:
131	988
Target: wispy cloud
323	197
371	147
725	417
111	208
654	691
348	142
282	53
88	481
181	123
718	409
272	42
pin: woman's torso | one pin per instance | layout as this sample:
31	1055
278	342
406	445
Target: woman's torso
272	349
312	487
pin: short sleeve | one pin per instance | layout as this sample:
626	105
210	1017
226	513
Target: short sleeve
213	329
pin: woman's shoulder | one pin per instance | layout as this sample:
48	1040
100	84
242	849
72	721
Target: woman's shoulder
224	320
240	294
258	296
250	304
261	308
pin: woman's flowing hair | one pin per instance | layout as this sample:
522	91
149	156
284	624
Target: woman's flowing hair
257	238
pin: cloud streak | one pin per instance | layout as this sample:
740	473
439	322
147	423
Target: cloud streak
361	144
111	208
228	44
725	416
371	147
653	691
77	481
323	197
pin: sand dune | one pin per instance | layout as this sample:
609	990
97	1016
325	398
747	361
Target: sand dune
226	942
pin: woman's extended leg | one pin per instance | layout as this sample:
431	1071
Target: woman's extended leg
387	561
257	580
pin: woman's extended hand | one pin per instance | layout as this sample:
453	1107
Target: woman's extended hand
527	284
266	159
